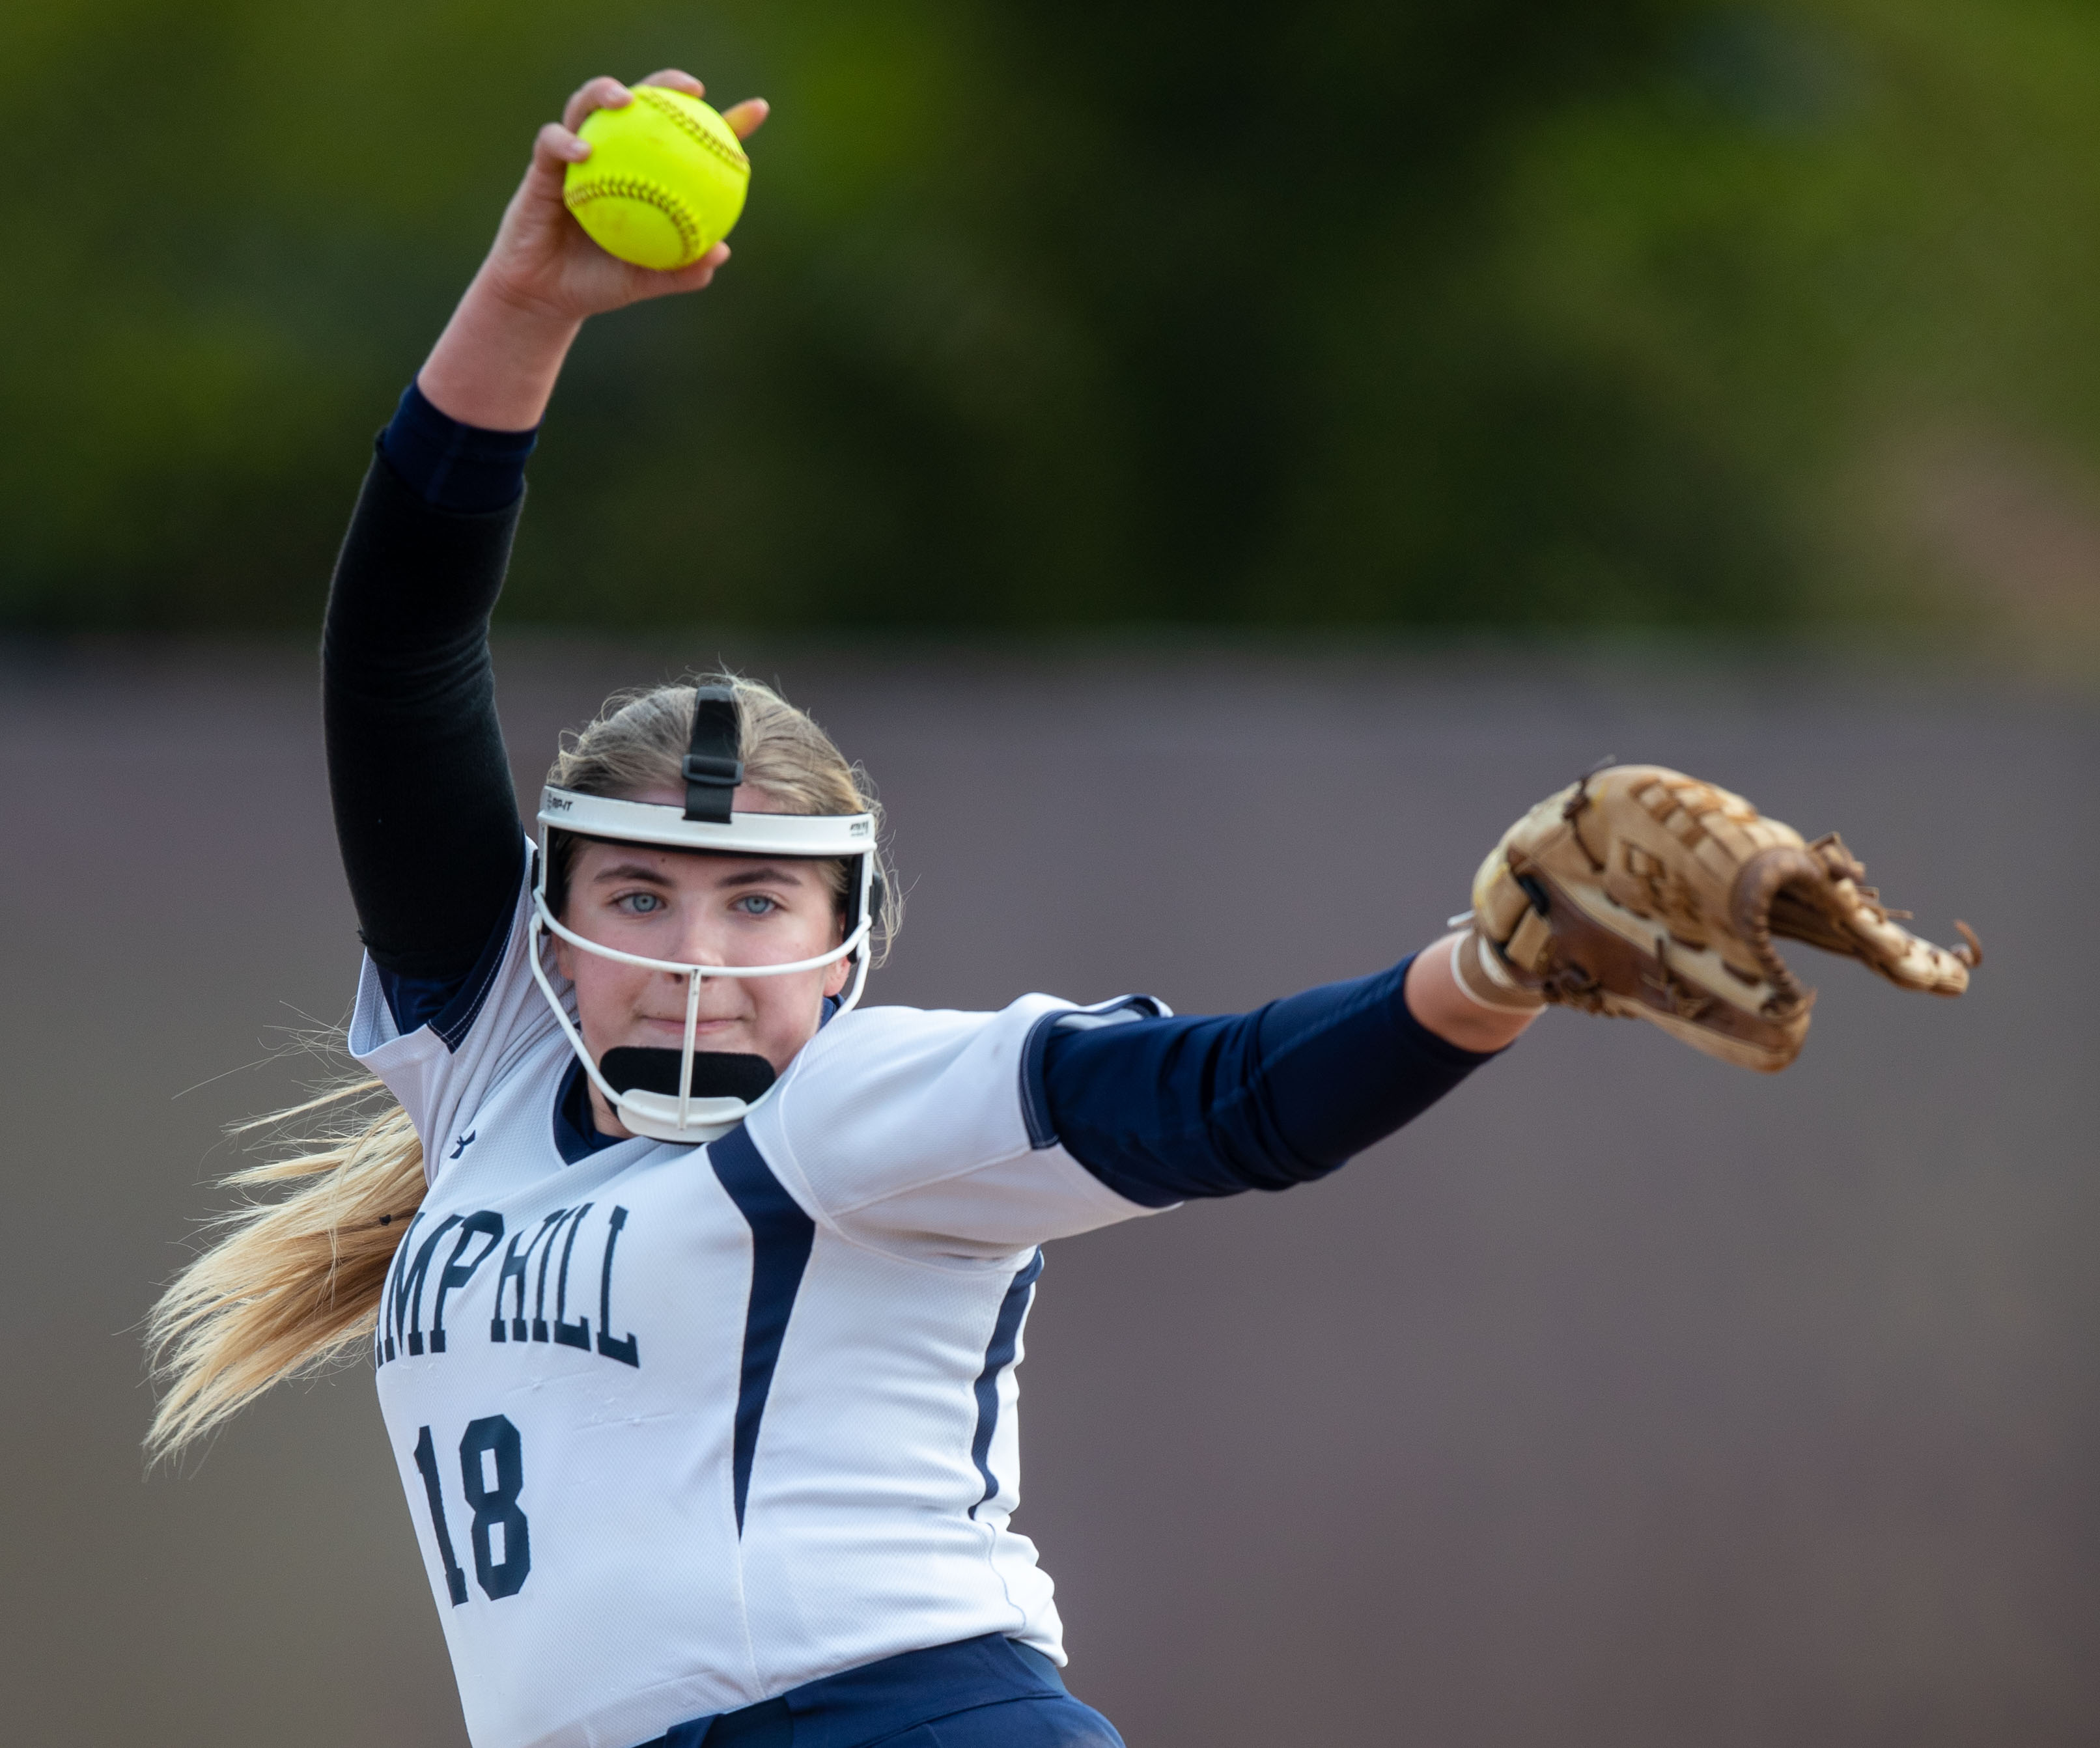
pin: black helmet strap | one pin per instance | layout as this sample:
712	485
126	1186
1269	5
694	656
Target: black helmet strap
714	762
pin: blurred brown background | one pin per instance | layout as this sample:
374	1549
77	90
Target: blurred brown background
1626	1399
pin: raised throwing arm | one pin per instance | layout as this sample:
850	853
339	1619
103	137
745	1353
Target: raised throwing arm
424	812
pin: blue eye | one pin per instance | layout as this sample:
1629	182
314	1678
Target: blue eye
639	903
756	904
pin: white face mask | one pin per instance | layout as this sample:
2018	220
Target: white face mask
682	1114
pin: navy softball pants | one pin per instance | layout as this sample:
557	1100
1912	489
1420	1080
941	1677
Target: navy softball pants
988	1693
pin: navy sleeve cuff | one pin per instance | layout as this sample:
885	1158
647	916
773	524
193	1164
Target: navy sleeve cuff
452	466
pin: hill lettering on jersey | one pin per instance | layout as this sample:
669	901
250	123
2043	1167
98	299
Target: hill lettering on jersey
524	1272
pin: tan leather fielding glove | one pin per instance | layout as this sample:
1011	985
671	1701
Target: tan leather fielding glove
1641	892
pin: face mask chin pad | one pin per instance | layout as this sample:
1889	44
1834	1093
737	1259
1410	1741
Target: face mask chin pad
716	1074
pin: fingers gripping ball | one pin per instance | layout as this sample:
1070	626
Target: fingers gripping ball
664	183
1644	893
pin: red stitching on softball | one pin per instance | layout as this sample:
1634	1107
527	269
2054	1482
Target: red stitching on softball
630	189
668	108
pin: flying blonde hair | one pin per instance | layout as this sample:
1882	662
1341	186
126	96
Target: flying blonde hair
290	1283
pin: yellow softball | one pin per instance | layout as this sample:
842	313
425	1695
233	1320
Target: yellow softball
664	181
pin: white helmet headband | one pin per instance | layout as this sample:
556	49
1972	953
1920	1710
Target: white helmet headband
711	774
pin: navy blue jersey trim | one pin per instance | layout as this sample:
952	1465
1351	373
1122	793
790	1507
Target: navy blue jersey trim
781	1236
1034	1106
576	1133
999	1355
1035	1102
448	1006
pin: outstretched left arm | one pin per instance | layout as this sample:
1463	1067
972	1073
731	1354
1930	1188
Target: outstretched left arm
1163	1110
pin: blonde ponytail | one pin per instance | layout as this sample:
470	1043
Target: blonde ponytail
292	1284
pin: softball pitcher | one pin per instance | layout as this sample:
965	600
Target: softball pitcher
695	1289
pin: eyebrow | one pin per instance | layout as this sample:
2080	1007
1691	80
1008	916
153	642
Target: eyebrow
649	876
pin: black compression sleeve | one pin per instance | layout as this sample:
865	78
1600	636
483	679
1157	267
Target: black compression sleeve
455	466
1161	1110
425	813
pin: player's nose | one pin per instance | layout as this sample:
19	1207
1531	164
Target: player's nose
699	942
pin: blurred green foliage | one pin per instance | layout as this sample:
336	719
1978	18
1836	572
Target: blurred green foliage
1513	312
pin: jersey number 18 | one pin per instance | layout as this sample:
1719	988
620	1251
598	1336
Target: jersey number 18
499	1526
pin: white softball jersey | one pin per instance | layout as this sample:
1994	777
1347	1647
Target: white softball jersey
684	1427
